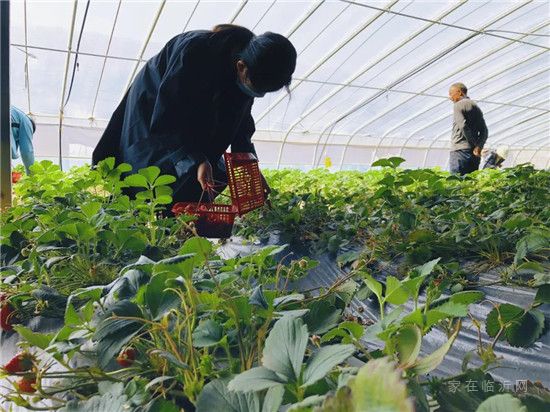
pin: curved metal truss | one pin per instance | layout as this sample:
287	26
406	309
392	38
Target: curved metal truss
368	75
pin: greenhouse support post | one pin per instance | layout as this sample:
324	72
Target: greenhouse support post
5	149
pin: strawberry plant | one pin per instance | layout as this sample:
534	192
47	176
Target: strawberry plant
155	320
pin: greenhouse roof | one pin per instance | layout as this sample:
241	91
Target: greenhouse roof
372	77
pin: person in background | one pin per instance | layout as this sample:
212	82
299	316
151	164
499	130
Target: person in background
193	100
469	132
22	130
493	159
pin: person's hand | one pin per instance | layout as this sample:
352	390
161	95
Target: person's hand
267	189
204	175
477	151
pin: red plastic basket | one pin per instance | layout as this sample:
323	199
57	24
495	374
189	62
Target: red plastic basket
213	220
244	181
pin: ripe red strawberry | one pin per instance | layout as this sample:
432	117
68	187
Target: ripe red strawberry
22	362
26	384
126	357
6	312
15	177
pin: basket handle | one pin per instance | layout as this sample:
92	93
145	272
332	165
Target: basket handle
210	190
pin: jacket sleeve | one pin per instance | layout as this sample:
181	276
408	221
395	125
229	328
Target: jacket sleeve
483	132
25	144
174	130
465	126
243	139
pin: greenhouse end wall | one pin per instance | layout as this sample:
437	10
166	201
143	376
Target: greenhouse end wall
78	143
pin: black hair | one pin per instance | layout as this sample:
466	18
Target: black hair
271	60
228	41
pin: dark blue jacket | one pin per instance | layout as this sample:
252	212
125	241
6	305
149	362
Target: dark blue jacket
183	107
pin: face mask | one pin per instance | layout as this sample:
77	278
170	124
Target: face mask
248	91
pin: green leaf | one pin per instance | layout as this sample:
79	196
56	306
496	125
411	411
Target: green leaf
71	316
378	387
502	315
160	300
164	180
201	247
124	168
373	285
408	341
395	293
126	286
412	286
273	399
296	297
373	331
407	220
145	195
543	294
69	228
322	317
54	261
541	279
161	405
90	209
533	242
180	265
98	403
257	298
40	340
518	221
207	333
324	360
164	199
432	361
164	191
525	331
452	309
334	333
467	297
112	334
216	396
113	388
417	392
529	268
85	231
501	403
256	379
426	268
356	329
432	318
150	173
421	236
92	293
392	162
285	347
136	181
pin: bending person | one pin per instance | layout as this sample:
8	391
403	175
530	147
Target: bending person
193	100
